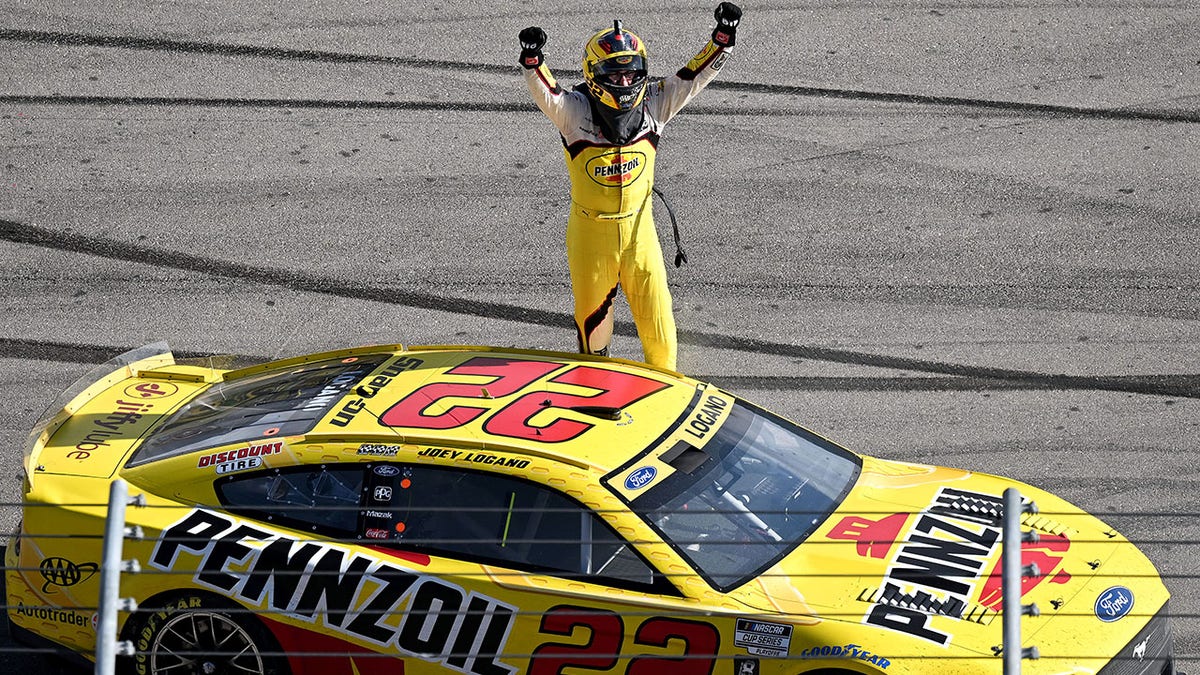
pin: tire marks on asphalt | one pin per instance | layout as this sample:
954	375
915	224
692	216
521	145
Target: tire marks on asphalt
955	376
279	53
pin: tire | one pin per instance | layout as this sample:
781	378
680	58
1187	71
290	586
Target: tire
196	634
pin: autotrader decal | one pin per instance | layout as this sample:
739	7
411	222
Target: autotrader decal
53	614
342	590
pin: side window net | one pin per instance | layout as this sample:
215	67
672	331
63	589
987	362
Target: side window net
316	498
499	520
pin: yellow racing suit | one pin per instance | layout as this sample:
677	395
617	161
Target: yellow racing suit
611	239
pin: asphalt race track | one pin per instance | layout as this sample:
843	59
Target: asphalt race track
953	232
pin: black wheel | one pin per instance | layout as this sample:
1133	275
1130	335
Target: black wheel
199	635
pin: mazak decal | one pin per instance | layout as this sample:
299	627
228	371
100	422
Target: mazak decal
935	569
336	588
1113	604
640	477
62	573
848	651
350	409
125	421
763	638
228	457
151	390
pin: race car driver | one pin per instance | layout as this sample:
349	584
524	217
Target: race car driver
610	126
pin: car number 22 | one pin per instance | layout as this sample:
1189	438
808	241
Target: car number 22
603	646
616	390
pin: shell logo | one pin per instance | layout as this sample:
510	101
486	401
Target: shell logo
616	168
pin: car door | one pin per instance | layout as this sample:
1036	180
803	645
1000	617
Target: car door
561	590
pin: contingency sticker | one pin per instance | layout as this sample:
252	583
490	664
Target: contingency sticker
763	638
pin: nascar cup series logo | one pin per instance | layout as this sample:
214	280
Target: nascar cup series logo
619	167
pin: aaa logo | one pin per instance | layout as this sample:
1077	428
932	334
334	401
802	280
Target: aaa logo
63	572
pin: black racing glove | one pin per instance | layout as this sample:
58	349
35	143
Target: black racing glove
727	15
532	40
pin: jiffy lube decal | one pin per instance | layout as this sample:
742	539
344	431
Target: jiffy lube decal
340	590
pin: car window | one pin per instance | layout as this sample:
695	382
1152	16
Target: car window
502	520
757	490
275	403
321	499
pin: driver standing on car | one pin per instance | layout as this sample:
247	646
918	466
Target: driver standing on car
610	125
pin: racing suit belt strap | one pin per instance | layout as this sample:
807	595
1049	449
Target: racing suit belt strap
593	214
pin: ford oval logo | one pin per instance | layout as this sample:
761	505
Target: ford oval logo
1114	603
640	478
386	470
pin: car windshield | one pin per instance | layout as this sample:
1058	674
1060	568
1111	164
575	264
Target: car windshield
275	403
756	490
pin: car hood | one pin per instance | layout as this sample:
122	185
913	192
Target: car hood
915	551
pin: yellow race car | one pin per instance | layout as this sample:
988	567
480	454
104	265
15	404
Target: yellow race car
494	512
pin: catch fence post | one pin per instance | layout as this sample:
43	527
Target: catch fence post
1010	578
111	566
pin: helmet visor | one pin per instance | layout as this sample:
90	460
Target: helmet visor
627	71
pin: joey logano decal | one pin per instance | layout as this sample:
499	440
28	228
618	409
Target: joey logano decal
341	591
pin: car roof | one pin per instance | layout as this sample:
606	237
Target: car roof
587	411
